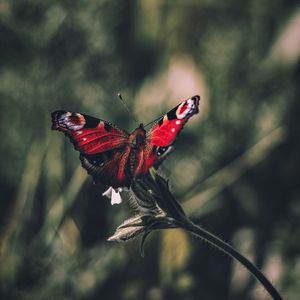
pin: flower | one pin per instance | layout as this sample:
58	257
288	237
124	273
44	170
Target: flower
155	208
114	195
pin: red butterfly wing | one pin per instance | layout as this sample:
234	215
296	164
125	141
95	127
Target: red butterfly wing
108	168
89	135
103	148
164	132
161	136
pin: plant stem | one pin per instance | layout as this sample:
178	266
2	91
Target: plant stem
226	248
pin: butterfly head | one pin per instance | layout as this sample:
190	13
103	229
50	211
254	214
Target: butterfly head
137	137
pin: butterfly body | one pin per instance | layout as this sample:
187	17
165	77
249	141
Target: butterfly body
138	137
113	156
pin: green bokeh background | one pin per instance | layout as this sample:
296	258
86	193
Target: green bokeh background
235	168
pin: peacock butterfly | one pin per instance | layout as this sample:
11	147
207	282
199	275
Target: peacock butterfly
113	156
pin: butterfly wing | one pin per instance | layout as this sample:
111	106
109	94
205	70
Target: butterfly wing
89	135
103	148
108	168
161	136
164	132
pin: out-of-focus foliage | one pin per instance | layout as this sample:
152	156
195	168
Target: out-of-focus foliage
241	57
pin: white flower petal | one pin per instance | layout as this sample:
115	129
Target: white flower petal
108	192
115	197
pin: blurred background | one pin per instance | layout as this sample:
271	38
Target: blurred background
235	168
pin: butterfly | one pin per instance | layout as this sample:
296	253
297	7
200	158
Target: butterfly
113	156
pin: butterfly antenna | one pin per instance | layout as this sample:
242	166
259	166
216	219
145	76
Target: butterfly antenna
154	121
126	107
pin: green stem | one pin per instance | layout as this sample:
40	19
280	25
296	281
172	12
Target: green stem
226	248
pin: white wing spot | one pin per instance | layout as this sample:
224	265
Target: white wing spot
183	114
178	122
73	126
173	129
84	139
79	132
190	102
